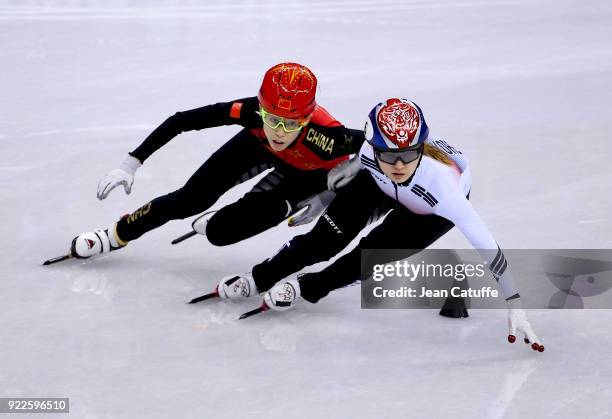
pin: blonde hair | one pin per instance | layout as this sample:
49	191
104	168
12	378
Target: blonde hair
437	154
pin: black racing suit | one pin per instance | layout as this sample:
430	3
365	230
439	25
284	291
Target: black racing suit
355	205
299	171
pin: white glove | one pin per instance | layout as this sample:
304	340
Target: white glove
343	173
517	321
124	175
315	205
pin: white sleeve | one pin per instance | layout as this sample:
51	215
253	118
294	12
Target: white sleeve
457	209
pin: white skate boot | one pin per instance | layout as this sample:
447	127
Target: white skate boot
199	224
280	297
283	296
96	242
198	227
231	287
237	286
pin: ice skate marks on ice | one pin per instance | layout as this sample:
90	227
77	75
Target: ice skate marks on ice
279	337
219	314
98	284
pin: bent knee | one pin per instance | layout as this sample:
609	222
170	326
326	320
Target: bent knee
218	233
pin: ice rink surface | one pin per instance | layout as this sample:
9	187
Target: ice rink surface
522	87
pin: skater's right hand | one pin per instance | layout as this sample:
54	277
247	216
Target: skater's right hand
124	175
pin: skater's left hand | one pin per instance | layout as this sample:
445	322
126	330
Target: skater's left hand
343	173
315	205
517	321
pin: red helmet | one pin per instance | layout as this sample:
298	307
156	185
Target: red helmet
288	90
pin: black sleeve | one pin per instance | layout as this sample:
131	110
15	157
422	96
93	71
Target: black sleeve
355	139
241	112
350	140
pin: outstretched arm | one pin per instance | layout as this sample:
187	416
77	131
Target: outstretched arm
459	210
241	112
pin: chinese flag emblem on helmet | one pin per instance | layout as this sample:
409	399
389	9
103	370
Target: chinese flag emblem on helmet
288	90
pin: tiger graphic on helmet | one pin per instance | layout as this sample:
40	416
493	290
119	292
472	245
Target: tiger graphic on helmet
399	121
396	124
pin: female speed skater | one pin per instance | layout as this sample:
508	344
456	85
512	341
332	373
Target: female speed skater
283	129
426	180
